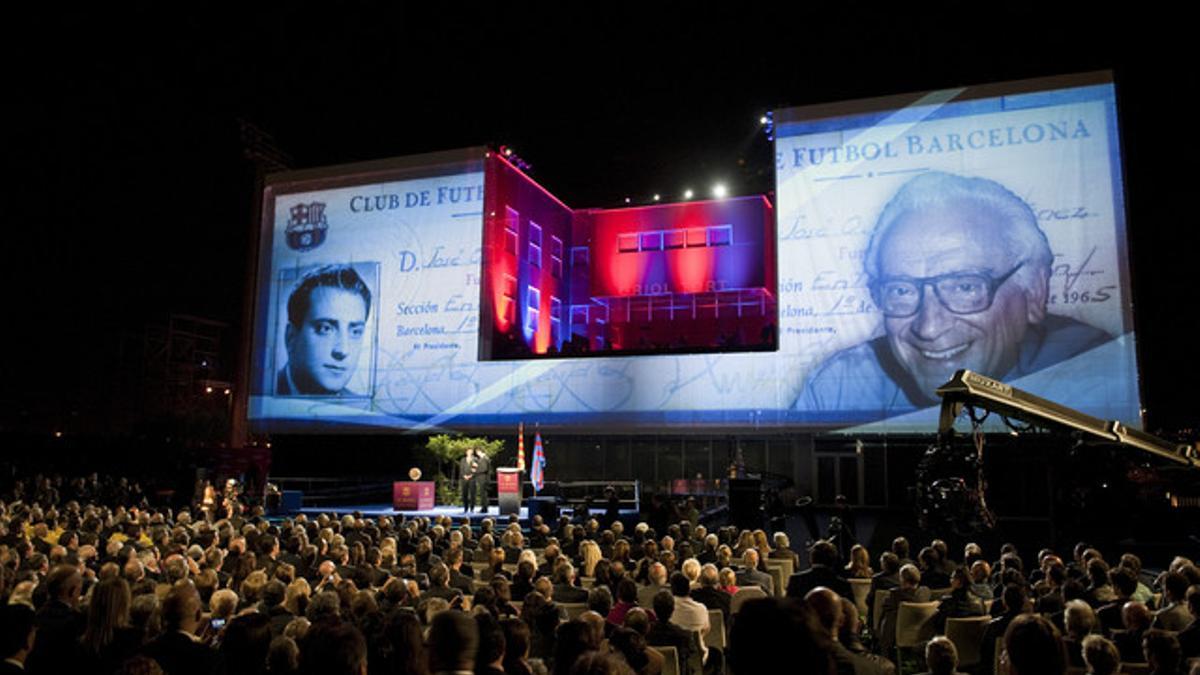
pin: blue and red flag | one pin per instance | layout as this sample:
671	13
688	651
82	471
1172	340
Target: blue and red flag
537	473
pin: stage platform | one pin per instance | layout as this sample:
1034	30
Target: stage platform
455	512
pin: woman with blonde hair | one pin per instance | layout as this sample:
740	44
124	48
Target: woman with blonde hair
762	544
859	566
590	552
297	596
728	581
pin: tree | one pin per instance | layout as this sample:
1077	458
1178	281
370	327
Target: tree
448	450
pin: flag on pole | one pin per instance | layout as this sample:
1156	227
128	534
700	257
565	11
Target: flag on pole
521	446
537	472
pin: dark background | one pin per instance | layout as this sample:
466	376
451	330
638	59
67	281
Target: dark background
130	193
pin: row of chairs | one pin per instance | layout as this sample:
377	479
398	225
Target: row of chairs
862	589
913	629
780	570
717	638
914	624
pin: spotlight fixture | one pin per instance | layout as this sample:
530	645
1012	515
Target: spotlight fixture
688	194
720	191
513	158
767	122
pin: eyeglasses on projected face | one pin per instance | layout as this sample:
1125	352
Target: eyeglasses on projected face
959	292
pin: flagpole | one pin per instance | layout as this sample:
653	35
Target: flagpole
521	446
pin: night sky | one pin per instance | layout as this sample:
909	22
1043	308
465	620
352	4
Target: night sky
129	197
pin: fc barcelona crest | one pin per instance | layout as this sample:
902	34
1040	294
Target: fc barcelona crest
306	226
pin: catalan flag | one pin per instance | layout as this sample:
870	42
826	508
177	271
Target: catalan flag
521	446
537	474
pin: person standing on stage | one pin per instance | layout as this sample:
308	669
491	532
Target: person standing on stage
474	471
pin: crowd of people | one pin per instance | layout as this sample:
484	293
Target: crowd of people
93	580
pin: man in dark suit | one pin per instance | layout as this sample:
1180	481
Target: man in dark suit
666	634
910	590
16	638
268	557
1124	585
453	559
887	578
709	595
1174	615
749	573
273	595
564	586
1014	599
783	550
178	650
474	470
550	558
59	623
824	557
439	584
1136	618
828	608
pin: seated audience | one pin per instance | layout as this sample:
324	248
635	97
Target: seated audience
91	582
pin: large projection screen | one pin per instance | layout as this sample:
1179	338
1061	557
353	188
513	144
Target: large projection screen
980	228
399	247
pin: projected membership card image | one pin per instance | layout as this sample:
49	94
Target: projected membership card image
982	234
326	336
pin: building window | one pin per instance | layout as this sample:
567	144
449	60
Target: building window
535	244
720	235
674	238
579	256
555	320
533	308
697	236
556	257
508	301
651	241
627	243
512	221
579	319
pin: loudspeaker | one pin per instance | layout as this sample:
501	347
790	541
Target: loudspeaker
746	503
546	507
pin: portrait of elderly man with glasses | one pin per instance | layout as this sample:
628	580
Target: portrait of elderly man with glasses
960	271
